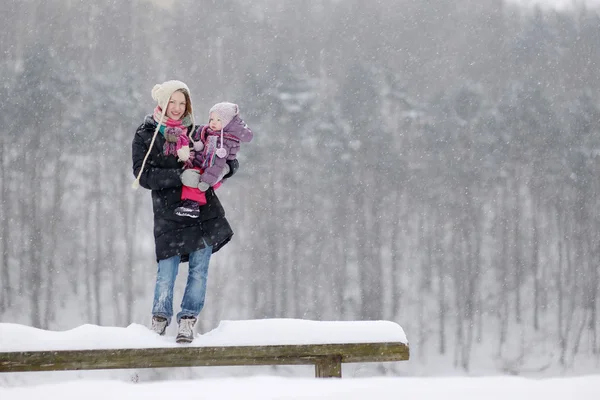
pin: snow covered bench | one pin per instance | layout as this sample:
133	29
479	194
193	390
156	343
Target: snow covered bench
324	344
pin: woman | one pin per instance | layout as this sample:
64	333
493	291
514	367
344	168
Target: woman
177	239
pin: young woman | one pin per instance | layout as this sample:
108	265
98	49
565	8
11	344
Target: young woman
177	239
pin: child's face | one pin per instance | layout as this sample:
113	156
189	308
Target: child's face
214	122
176	107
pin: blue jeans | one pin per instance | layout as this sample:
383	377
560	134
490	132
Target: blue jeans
195	289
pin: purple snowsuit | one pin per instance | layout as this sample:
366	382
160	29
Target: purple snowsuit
211	165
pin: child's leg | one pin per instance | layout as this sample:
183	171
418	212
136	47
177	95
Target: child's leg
224	172
194	194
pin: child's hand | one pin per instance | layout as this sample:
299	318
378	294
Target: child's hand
203	186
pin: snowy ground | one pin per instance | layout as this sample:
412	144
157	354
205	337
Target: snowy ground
121	384
264	388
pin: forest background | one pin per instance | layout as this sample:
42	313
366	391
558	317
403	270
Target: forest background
430	162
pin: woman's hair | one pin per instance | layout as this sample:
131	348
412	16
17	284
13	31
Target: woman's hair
188	102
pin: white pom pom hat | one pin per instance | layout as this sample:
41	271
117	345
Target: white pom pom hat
161	93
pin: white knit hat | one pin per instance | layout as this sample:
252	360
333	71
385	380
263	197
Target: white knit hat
162	93
225	111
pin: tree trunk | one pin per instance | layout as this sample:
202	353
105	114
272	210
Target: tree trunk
517	257
504	265
535	261
5	288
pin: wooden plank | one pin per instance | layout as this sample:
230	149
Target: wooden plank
312	354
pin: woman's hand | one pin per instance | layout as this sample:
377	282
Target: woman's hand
190	177
233	167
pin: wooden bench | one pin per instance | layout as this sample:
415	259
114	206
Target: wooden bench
327	358
324	344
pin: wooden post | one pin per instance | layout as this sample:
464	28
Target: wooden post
329	367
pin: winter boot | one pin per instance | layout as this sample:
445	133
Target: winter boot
185	334
159	324
188	208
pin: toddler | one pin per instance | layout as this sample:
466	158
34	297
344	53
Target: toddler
212	146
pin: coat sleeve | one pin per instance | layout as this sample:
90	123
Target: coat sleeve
153	177
234	165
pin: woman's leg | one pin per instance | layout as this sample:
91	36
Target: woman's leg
195	289
163	291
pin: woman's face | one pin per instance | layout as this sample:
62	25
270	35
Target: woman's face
214	122
176	107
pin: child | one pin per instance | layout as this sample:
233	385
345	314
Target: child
213	145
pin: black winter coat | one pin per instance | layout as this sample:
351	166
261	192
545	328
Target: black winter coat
175	235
